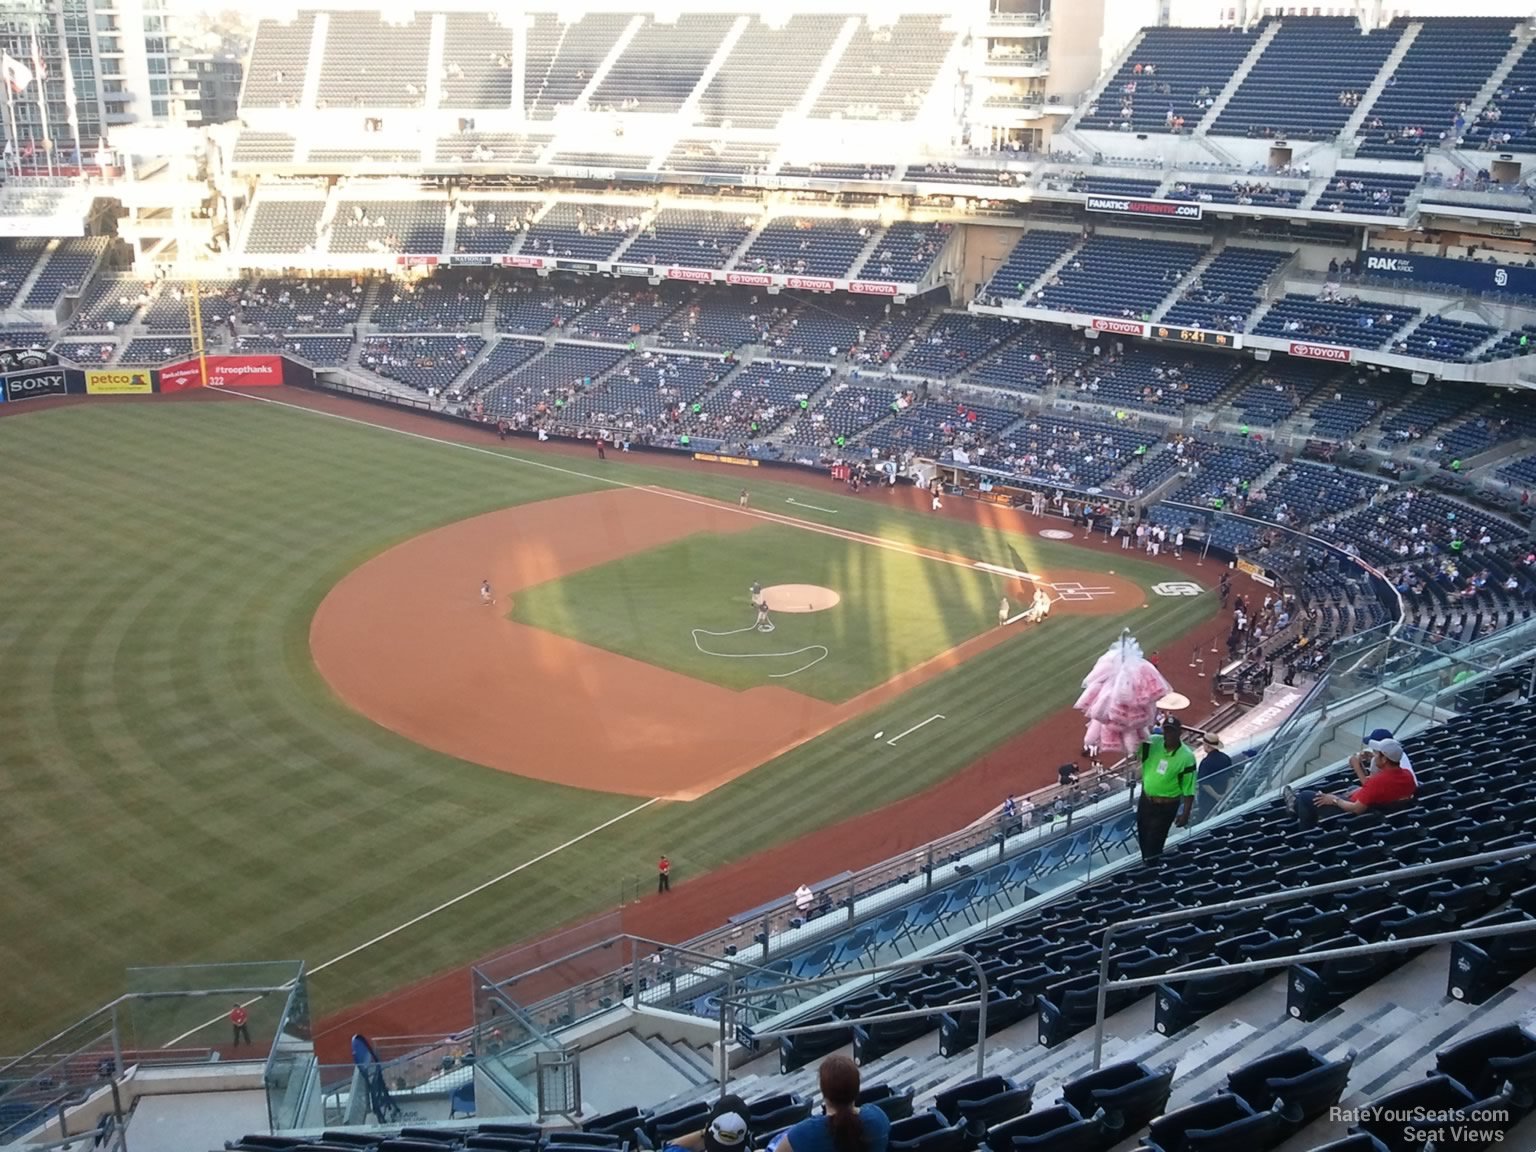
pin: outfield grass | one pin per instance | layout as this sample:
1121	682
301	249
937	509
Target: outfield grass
180	786
894	613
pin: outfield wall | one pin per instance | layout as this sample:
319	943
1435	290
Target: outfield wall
178	376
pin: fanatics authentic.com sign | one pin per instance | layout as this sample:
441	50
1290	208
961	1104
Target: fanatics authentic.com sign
1177	209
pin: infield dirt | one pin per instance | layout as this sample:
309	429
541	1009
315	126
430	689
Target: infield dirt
406	640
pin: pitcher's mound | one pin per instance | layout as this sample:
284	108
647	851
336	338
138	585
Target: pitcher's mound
800	598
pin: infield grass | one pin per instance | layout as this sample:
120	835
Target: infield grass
659	605
180	786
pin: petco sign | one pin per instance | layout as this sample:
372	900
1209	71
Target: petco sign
1322	352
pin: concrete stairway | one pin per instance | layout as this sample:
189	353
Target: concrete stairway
1369	97
1189	278
1522	42
1224	97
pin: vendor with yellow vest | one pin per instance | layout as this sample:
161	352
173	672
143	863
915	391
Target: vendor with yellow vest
1168	778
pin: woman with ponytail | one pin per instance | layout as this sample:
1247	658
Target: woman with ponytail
844	1126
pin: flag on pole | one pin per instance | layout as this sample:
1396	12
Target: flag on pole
71	110
41	71
17	75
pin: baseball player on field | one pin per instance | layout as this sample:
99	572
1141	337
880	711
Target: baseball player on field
485	593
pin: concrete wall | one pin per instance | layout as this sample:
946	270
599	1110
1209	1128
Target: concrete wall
1077	30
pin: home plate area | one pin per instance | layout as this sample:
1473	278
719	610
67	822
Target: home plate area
1071	590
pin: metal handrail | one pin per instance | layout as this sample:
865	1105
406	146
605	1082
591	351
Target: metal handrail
1328	546
1045	831
980	1004
677	949
1282	896
130	997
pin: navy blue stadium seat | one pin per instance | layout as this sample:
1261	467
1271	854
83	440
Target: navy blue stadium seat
927	1132
897	1105
1298	1084
980	1104
1219	1124
1501	1060
1058	1129
1130	1094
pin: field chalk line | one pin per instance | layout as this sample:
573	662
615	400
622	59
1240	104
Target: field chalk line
446	904
812	507
999	570
822	648
718	505
914	728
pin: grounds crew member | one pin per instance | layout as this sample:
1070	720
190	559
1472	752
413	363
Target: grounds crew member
239	1021
1167	788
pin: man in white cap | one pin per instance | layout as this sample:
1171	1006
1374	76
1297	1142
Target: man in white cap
726	1131
1364	761
1390	783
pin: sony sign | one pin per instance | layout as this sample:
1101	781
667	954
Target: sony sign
39	382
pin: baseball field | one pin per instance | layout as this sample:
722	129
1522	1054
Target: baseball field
254	707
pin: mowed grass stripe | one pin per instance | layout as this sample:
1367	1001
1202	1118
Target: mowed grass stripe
210	809
206	798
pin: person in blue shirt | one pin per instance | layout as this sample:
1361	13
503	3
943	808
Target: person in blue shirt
844	1127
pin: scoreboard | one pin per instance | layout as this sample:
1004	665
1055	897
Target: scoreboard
1196	336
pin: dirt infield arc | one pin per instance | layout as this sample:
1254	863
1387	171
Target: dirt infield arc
405	640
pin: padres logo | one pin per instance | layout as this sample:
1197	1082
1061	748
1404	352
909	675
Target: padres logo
1177	588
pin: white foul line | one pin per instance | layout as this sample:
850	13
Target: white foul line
414	920
812	507
913	729
999	570
718	505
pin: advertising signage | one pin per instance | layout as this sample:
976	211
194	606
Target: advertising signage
1119	206
37	382
1322	352
1471	275
1120	327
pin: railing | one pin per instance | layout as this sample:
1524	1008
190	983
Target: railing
1376	576
732	1000
1283	896
156	1024
783	930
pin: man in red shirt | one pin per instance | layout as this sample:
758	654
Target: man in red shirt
663	875
1390	783
238	1018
